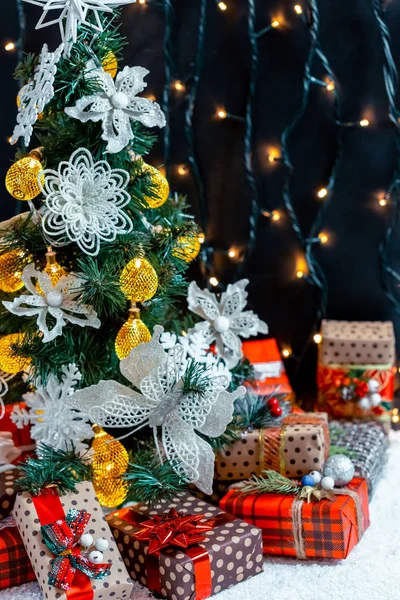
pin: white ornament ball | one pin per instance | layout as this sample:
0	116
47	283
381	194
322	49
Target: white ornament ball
119	100
86	540
327	483
375	399
102	544
316	475
364	403
340	468
96	557
54	299
373	385
221	324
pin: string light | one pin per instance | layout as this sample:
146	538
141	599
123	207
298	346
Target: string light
317	338
300	274
221	114
286	352
364	123
9	47
183	170
179	86
322	193
330	86
213	281
275	23
395	415
323	238
142	1
298	9
383	201
222	6
202	238
232	253
275	215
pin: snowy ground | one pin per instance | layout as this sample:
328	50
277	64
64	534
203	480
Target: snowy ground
371	572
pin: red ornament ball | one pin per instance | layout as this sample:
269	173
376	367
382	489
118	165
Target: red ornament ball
276	411
272	402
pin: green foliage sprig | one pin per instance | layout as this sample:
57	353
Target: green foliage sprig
270	483
63	469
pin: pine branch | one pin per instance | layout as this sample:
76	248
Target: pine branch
244	371
195	379
150	482
101	287
252	411
270	483
61	468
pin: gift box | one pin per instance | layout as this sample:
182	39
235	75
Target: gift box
293	527
269	371
294	449
8	490
21	437
366	444
357	343
15	566
333	400
53	512
220	488
230	552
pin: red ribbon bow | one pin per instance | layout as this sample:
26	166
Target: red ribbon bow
173	529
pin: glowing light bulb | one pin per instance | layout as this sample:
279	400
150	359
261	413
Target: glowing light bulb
317	338
182	170
221	114
232	253
383	201
322	193
222	6
323	238
275	23
271	158
142	1
300	274
275	215
364	123
150	96
213	281
395	415
9	47
286	352
9	139
202	238
183	332
179	86
330	86
298	9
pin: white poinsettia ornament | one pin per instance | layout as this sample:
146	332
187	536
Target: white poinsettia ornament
116	104
225	321
54	305
53	421
84	202
172	397
72	13
34	96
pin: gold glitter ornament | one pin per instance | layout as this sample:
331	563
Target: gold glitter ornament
110	461
159	187
131	334
110	63
10	362
11	266
110	492
138	280
22	178
187	247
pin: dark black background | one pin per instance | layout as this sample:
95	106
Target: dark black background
354	221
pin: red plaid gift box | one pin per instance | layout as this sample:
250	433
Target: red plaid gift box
15	566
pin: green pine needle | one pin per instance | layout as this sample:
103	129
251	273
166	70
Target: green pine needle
61	468
244	371
251	411
195	379
270	483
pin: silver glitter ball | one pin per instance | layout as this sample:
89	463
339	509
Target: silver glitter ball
341	468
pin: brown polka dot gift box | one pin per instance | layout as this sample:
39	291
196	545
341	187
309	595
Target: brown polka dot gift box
187	549
8	489
58	533
294	449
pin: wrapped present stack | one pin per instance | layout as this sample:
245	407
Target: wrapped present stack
356	369
269	371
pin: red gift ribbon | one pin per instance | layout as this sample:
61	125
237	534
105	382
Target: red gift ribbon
199	555
49	509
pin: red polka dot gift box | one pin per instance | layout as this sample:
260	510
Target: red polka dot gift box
51	527
298	446
186	549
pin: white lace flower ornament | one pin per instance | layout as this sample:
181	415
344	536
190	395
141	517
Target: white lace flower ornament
71	13
162	402
116	104
58	303
52	420
225	320
84	201
34	96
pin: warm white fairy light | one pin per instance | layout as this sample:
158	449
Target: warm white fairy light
9	47
317	338
182	170
322	193
323	238
179	86
364	123
330	86
383	201
221	113
232	253
298	9
286	352
222	6
202	238
275	23
300	274
213	281
395	415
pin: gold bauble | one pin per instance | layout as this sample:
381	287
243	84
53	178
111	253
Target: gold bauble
110	492
138	280
110	63
10	362
53	270
187	247
159	187
110	457
131	334
11	265
22	178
